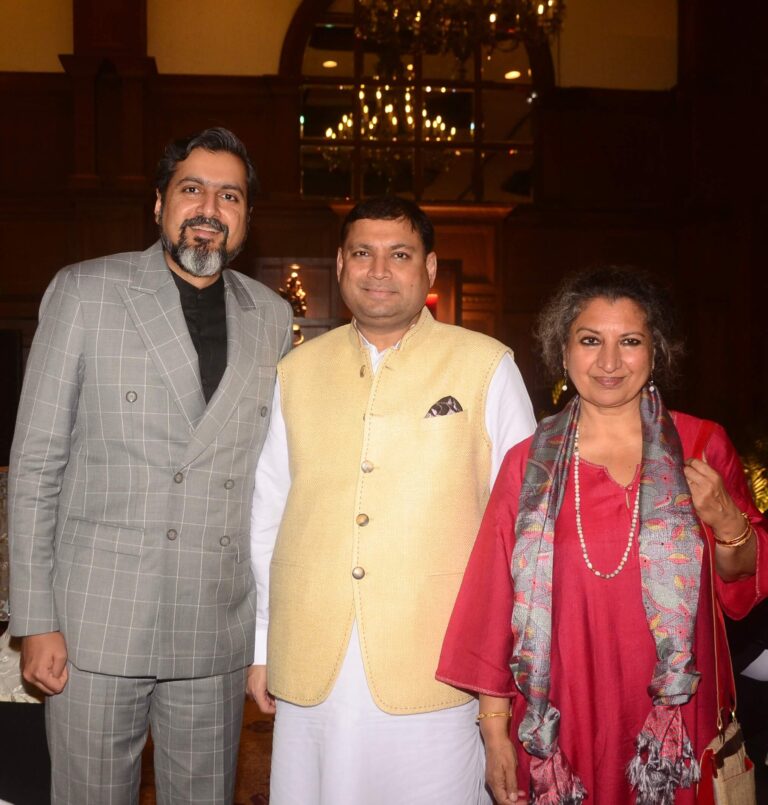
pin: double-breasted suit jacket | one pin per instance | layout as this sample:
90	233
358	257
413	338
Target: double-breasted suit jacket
129	497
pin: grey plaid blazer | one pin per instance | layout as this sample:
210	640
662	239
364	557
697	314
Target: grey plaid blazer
129	499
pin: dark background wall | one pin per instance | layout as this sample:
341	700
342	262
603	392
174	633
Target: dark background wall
673	181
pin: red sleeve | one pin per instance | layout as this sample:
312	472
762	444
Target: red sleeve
736	597
478	642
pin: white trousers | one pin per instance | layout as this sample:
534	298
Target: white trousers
346	751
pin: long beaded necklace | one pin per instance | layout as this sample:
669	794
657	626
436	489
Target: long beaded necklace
580	530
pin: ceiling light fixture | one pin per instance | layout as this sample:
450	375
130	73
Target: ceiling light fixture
456	27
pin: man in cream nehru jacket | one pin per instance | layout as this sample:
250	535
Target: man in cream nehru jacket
385	439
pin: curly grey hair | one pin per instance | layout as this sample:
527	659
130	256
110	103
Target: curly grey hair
610	282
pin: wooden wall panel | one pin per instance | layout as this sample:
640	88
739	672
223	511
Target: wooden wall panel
107	226
605	148
36	135
722	248
119	25
39	238
301	229
725	295
263	112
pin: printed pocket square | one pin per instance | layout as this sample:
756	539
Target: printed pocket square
443	407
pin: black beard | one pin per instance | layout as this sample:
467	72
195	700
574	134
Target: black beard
198	258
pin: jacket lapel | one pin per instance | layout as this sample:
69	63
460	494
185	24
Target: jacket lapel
154	306
244	334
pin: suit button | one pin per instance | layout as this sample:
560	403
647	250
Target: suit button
263	410
224	541
179	477
362	371
131	396
229	484
171	533
358	573
362	519
366	466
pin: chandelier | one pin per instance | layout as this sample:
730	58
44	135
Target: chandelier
387	114
456	27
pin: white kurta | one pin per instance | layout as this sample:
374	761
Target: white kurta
345	750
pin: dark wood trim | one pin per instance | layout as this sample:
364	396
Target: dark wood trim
110	27
297	36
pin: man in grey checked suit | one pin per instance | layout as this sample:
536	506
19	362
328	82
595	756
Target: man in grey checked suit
145	405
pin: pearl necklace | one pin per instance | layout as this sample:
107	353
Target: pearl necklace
580	530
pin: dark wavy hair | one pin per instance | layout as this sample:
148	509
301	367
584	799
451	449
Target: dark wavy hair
213	140
392	208
610	282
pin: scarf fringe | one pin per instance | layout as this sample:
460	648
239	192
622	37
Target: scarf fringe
664	759
554	781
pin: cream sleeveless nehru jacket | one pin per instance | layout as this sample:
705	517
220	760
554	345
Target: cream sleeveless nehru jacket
382	513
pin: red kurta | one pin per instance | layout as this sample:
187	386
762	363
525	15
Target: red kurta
603	654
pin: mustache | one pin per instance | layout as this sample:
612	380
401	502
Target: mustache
201	220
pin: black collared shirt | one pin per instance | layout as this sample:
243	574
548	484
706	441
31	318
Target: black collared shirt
206	315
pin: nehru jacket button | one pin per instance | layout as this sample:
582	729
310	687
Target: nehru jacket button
229	484
179	477
131	396
263	410
224	541
358	572
366	466
362	371
171	533
362	519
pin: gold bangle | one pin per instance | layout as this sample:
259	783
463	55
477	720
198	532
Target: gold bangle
505	713
744	537
736	543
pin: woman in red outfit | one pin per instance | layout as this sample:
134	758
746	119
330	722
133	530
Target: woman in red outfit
585	619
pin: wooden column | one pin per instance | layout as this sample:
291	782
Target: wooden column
110	43
82	70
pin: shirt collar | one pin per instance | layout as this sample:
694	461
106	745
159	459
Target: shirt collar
210	295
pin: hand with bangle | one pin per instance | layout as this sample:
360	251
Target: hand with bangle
500	752
731	528
714	505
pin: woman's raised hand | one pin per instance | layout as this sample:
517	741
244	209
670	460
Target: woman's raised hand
713	504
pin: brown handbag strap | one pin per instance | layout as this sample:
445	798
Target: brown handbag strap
706	428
